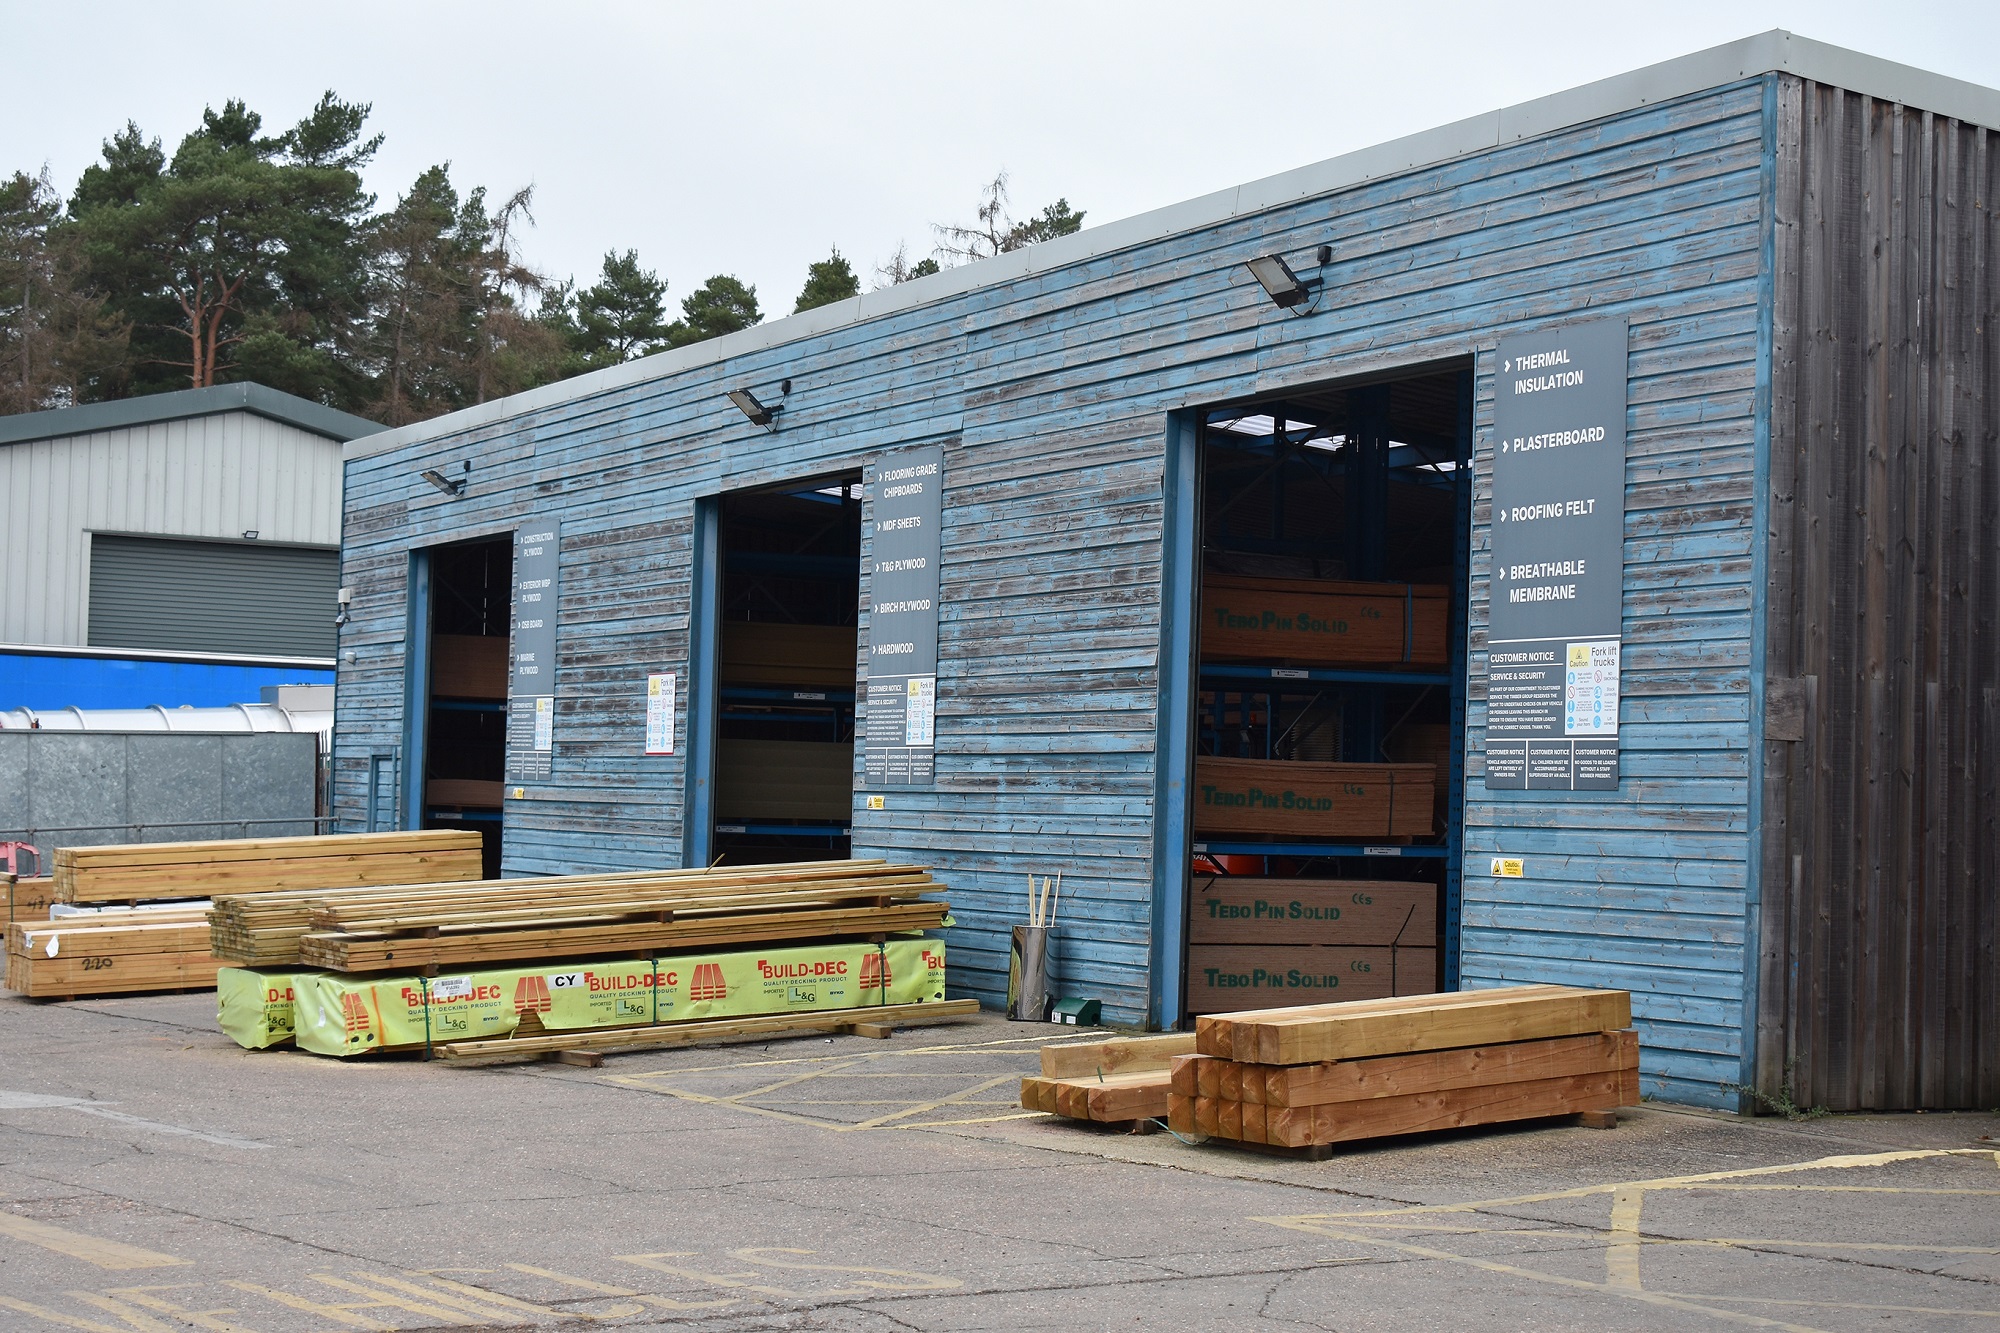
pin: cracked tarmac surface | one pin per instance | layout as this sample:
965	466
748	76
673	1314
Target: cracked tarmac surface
155	1178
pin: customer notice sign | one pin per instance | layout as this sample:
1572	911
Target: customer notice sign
899	735
1558	581
531	678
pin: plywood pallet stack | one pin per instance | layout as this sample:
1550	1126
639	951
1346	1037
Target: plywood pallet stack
146	927
1318	1075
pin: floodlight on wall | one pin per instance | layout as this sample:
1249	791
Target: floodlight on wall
453	487
759	414
1288	290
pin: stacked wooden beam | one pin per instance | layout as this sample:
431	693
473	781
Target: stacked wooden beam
29	899
166	949
415	927
111	952
1110	1082
153	871
1316	1075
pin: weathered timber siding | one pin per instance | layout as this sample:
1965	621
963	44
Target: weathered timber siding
1050	395
1645	888
1881	764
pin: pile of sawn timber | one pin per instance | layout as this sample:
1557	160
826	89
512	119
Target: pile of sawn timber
547	927
114	951
1317	1075
1123	1082
414	927
165	947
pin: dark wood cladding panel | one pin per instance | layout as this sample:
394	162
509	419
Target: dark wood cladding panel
1879	884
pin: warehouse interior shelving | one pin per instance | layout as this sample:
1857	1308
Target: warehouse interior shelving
1364	482
790	587
464	749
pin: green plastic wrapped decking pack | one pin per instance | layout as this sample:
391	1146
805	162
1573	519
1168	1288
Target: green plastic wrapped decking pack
353	1013
254	1004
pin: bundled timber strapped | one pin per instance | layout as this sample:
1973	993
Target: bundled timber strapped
161	870
113	952
1316	800
549	1006
1310	622
1258	941
1107	1082
445	925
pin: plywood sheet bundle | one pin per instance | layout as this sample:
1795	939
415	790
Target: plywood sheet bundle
112	952
1313	800
160	870
1309	622
446	925
1317	1075
1109	1082
1256	942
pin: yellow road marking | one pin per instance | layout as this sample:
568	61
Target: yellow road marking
57	1317
109	1254
1844	1305
341	1313
1621	1253
938	1104
976	1120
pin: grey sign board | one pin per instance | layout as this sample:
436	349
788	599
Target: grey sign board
1558	582
531	680
899	737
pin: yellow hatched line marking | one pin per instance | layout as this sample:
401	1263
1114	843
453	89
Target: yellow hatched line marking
109	1254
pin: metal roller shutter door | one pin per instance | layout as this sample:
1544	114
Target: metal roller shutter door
212	597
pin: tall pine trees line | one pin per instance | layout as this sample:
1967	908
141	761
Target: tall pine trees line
262	257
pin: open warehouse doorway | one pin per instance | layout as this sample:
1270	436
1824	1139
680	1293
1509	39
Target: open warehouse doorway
464	752
1332	557
790	565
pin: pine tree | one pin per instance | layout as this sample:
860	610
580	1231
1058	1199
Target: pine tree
721	305
622	316
828	281
57	346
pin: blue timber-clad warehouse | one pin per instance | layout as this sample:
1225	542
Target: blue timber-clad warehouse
1569	532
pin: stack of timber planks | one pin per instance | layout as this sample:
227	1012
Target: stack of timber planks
1124	1081
28	899
113	951
153	871
168	947
1316	1075
1256	942
414	927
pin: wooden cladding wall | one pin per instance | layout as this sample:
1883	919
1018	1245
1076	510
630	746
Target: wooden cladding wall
1050	396
1881	764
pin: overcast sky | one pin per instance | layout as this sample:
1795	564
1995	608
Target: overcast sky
752	138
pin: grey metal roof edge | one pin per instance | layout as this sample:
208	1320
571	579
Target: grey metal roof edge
179	404
166	655
1767	52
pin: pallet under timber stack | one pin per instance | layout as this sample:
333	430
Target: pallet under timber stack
1317	1075
1124	1081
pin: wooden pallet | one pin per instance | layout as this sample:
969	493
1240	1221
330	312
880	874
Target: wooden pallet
875	1020
163	870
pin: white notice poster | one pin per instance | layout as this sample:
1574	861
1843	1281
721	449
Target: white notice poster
660	713
545	722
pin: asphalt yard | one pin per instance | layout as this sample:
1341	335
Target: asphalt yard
154	1177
